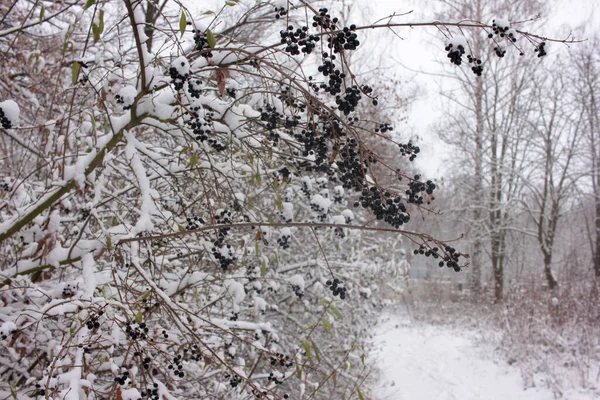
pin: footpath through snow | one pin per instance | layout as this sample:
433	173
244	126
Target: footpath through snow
425	362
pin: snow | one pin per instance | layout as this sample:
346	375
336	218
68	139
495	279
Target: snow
288	212
417	361
128	94
502	23
181	65
458	41
298	282
11	111
236	291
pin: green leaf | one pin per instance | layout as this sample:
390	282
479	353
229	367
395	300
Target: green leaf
194	160
336	312
42	11
230	3
212	42
362	358
327	325
360	395
108	242
88	4
298	371
96	32
182	23
101	20
75	72
263	269
306	346
314	346
138	317
279	202
208	12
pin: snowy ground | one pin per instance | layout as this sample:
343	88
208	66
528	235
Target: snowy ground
424	362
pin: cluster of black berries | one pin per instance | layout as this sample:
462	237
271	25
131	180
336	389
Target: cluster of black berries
4	334
337	288
320	209
455	53
148	307
176	78
4	186
270	115
274	379
177	366
93	322
123	379
410	150
145	362
336	76
193	223
350	170
383	128
339	232
280	12
288	98
152	394
338	194
284	241
315	147
223	217
348	102
502	31
541	49
201	127
281	359
6	123
201	44
500	51
194	88
416	187
324	20
344	40
298	291
84	213
39	391
234	380
136	332
68	290
120	100
384	206
477	68
451	259
234	316
224	255
298	40
433	252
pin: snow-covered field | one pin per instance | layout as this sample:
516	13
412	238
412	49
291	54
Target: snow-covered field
420	361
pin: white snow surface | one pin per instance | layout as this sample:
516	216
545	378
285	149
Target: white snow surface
11	111
423	362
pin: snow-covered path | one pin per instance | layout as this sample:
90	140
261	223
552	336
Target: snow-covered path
424	362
